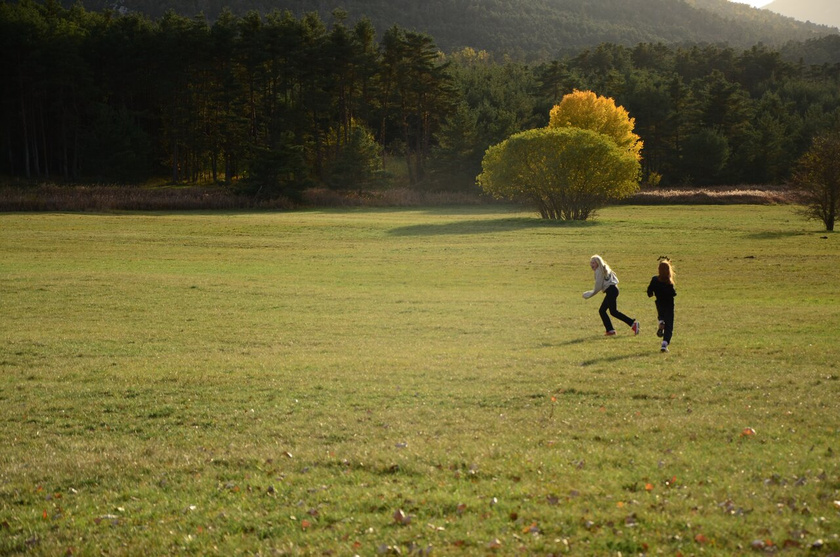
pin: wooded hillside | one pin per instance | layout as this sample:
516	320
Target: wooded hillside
526	29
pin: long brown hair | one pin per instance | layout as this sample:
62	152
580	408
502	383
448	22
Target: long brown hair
666	271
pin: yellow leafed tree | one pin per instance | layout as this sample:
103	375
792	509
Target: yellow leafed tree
588	111
567	173
587	156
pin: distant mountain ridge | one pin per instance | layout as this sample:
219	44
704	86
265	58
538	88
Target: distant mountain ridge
529	29
825	12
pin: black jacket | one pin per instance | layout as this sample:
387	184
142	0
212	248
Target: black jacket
664	292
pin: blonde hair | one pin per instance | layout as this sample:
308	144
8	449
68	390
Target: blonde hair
602	264
666	271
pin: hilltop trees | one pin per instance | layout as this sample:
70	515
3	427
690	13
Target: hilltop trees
587	156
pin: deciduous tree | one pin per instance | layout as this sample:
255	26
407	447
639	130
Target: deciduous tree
818	179
566	172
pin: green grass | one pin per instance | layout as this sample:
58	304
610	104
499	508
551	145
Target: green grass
284	383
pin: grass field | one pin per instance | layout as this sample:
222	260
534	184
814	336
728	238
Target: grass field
416	382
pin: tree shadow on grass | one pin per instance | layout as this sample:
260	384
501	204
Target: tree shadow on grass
774	235
485	226
611	359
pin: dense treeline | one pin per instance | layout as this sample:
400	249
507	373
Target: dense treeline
527	29
276	100
706	114
273	104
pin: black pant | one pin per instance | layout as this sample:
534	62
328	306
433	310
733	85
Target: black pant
609	303
665	312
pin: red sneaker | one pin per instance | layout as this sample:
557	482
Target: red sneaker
610	333
636	327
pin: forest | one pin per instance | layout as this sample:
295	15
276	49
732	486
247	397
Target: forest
273	104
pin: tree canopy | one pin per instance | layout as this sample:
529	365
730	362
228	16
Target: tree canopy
586	110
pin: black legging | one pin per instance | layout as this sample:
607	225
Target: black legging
666	314
609	303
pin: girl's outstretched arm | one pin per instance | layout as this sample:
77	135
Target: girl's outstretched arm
599	284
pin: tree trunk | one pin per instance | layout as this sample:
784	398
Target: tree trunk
24	122
44	150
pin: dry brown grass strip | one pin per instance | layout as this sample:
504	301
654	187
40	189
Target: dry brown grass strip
105	198
751	195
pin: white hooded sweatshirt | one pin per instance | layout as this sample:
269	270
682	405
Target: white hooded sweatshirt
602	280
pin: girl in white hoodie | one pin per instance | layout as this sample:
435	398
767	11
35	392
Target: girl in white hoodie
606	282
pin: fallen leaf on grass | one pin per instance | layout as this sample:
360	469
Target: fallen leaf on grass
748	432
401	518
729	507
761	544
700	538
531	528
304	524
494	544
648	487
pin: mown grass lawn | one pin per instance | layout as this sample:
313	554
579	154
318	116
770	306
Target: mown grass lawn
425	382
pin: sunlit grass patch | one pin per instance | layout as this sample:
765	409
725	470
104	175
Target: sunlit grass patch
415	380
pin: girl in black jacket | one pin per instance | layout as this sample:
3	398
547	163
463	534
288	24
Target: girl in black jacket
662	286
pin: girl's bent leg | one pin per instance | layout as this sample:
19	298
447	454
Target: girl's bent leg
611	298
